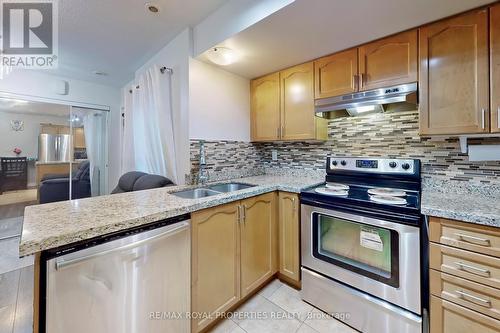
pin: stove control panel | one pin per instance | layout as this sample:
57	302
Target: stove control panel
375	165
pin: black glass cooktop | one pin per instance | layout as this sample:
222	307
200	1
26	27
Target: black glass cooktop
358	196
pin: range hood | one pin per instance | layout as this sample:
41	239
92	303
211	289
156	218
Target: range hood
370	100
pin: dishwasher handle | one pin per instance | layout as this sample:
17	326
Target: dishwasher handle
61	263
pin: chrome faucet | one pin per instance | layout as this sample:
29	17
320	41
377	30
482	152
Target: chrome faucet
202	173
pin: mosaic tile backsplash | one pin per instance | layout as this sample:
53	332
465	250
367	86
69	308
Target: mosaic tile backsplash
225	160
393	135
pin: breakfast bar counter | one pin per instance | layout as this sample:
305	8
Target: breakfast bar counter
56	224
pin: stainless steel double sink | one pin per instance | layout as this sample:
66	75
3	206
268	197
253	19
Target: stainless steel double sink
208	191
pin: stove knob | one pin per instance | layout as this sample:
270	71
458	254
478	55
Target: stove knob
405	166
393	164
344	163
334	163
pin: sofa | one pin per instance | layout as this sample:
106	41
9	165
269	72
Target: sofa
55	187
137	181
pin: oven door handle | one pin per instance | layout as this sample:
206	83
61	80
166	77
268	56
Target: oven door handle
351	217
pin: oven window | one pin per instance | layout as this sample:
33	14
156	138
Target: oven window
364	249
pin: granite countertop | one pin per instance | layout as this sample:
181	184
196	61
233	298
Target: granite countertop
56	224
479	205
58	162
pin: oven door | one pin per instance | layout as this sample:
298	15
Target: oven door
378	257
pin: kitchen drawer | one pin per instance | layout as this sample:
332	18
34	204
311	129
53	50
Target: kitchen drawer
481	239
447	317
473	266
471	295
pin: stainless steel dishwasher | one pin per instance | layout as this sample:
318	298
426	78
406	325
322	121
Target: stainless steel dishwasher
132	282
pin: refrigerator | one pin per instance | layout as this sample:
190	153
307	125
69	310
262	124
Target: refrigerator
54	148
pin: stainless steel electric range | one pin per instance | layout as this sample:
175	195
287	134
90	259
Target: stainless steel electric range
364	245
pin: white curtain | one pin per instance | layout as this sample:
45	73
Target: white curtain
93	129
149	142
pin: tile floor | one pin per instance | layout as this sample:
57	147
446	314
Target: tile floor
16	301
16	274
10	231
278	308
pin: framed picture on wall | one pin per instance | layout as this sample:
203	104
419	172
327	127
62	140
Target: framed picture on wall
17	125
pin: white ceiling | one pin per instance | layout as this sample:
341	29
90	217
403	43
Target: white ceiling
118	36
308	29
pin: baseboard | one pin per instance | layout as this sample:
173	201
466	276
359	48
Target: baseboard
291	282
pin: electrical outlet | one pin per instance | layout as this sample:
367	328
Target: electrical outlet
274	154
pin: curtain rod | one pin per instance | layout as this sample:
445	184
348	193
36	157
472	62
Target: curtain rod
163	69
166	69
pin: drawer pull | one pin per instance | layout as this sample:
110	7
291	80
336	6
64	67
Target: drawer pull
473	239
470	268
481	301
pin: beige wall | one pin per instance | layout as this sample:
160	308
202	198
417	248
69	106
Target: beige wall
219	103
26	140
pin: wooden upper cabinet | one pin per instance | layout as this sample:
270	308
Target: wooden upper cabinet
265	108
289	234
389	61
297	103
336	74
495	67
454	75
259	241
215	261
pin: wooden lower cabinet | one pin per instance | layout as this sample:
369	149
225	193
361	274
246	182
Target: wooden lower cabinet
468	265
447	317
215	262
234	252
289	235
472	295
466	236
464	277
259	241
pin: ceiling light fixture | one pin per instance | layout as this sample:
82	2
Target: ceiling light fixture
99	73
151	7
222	56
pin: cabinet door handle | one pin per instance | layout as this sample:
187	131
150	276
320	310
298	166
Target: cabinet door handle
361	80
483	118
282	131
244	215
469	268
238	215
498	117
278	132
355	82
473	239
293	206
482	301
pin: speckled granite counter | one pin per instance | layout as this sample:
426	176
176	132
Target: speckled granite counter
51	225
478	204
